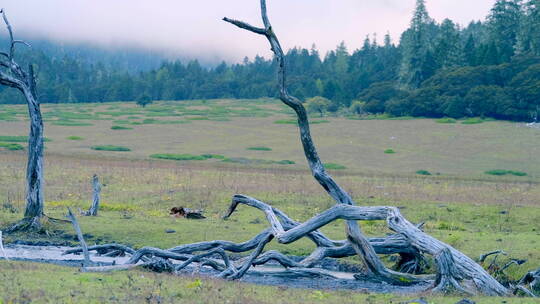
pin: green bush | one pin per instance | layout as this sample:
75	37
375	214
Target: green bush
446	120
389	151
332	166
111	148
499	172
120	128
11	146
75	138
423	172
259	148
472	121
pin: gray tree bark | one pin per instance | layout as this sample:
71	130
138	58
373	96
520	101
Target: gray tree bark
96	187
12	75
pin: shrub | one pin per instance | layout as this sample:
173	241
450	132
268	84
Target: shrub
389	151
318	104
110	148
259	149
332	166
143	100
358	107
423	172
499	172
472	121
11	146
75	138
120	128
446	120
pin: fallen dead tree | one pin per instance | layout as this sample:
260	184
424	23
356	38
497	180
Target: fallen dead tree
455	272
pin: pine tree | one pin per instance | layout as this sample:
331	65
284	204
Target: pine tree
388	41
528	39
469	51
504	25
448	50
415	45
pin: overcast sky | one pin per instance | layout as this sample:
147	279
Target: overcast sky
194	28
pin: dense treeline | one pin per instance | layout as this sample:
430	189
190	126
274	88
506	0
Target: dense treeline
489	69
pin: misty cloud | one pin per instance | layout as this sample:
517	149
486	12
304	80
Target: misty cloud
195	29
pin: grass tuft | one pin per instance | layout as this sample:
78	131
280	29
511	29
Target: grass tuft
423	172
120	128
110	148
389	151
11	146
75	138
472	121
259	148
500	172
179	156
332	166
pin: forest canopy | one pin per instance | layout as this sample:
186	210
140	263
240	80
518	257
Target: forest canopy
486	69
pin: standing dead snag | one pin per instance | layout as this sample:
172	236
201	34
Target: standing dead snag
12	75
96	187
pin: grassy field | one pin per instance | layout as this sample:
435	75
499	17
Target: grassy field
473	211
230	127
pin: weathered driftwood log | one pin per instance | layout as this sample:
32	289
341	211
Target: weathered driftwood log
12	75
96	187
73	219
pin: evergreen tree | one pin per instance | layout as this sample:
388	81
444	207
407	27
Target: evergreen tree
504	25
469	51
448	50
529	36
415	45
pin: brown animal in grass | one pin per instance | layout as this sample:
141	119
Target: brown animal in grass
187	213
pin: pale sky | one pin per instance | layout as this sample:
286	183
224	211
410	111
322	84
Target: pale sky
193	28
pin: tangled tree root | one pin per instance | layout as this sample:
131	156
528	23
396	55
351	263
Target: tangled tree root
33	224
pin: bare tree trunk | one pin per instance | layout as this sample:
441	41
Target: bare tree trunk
12	75
93	211
34	169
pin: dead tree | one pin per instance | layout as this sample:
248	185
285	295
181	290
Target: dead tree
12	75
96	187
77	228
455	271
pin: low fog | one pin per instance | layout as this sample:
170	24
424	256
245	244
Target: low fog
194	28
